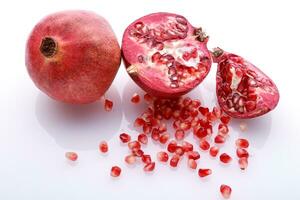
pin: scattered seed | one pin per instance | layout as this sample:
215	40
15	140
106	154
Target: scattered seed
108	104
124	137
225	158
242	143
115	171
135	98
192	164
204	172
71	156
103	147
225	191
162	156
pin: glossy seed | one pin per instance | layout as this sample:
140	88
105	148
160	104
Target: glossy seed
115	171
71	156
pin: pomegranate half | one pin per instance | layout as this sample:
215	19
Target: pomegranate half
243	90
165	55
73	56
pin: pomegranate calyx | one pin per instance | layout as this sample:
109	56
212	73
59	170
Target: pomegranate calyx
217	52
48	47
201	35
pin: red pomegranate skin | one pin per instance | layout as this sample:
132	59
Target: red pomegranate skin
73	56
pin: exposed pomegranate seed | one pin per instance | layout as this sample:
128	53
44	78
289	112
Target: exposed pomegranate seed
214	151
163	138
225	119
176	114
71	156
204	172
223	129
242	143
201	132
139	122
179	134
179	151
146	159
172	146
192	164
187	101
219	139
225	191
225	158
243	163
211	117
162	156
148	98
162	128
193	155
134	144
115	171
204	145
103	147
217	112
137	152
147	129
108	105
243	126
174	160
176	124
186	125
196	103
149	167
187	146
130	159
203	111
155	134
135	98
124	137
242	153
142	138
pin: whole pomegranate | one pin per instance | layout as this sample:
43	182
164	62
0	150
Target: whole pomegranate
243	90
165	55
73	56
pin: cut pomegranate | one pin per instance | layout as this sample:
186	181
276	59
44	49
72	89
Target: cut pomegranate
115	171
162	156
225	191
225	158
213	151
71	156
103	147
142	138
243	163
130	159
135	98
242	143
124	137
192	164
193	155
243	90
204	172
204	145
242	153
174	160
149	167
165	55
146	159
179	134
108	104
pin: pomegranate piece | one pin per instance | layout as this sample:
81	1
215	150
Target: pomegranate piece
72	66
242	143
174	160
162	156
139	122
115	171
204	145
204	172
243	163
130	159
243	90
155	134
213	151
192	164
124	137
143	138
103	147
225	191
225	158
242	153
165	55
149	167
146	159
135	98
71	156
108	105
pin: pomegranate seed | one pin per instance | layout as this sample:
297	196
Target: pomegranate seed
176	114
204	172
242	153
142	138
172	146
223	129
187	101
243	126
162	156
217	112
225	119
108	105
124	137
149	167
115	171
187	146
214	151
179	134
219	139
148	98
176	124
164	138
135	98
242	143
174	160
71	156
201	133
225	191
192	164
103	147
193	155
137	152
185	125
139	122
225	158
155	134
243	163
147	129
130	159
146	159
204	145
196	103
162	128
134	144
179	151
203	111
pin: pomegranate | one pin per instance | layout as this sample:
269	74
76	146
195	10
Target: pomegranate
165	55
73	56
243	90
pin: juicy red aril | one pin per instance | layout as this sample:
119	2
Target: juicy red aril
201	132
115	171
135	98
148	98
187	146
193	155
108	104
179	151
242	153
155	134
163	138
217	112
137	152
225	191
130	159
243	163
139	122
213	151
124	137
71	156
225	119
162	128
219	139
223	129
142	138
203	111
134	144
204	145
192	164
149	167
162	156
172	146
146	159
179	134
225	158
103	147
174	160
185	125
204	172
242	143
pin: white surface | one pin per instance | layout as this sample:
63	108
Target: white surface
36	131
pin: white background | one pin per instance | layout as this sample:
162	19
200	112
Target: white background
36	131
